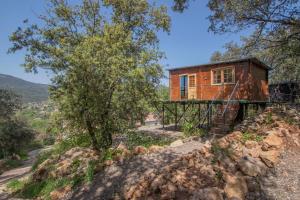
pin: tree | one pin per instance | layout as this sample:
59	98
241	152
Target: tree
9	104
276	35
14	134
105	57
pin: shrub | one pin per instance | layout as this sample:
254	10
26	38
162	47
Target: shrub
139	139
189	129
249	136
14	137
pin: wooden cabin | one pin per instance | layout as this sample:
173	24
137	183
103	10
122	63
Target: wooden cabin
242	79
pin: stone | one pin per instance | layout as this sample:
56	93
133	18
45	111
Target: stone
251	166
270	158
251	144
235	187
212	193
155	148
139	150
223	143
272	141
176	143
108	162
60	193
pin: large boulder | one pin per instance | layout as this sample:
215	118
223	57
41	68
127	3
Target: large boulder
272	141
235	187
176	143
270	158
251	166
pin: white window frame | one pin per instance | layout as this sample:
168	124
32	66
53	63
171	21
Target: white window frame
222	75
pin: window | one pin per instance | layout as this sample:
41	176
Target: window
192	81
223	75
183	87
228	75
217	76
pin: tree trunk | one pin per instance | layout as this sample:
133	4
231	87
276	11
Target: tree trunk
92	135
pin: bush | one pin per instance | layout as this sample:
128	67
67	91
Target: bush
189	129
14	136
139	139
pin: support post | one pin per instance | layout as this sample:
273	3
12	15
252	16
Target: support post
208	114
175	116
199	112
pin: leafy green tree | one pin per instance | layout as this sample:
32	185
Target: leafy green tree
14	134
9	104
276	35
104	54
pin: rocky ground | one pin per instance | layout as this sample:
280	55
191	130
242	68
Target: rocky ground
19	172
259	159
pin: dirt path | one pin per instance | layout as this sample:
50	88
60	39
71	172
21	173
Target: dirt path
109	183
19	172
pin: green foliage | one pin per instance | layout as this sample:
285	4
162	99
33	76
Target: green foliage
89	176
139	139
15	185
10	163
189	129
106	64
269	119
275	39
9	104
14	137
249	136
29	189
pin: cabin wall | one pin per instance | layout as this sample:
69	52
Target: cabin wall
207	91
259	83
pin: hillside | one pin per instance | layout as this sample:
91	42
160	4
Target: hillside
30	92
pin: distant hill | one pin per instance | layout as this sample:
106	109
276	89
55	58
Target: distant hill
30	92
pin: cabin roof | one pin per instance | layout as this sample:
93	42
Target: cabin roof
252	59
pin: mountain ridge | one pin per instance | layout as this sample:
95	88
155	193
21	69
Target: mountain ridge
29	91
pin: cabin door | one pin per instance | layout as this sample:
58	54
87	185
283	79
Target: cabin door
192	92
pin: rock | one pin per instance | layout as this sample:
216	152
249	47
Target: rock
176	143
251	167
155	148
272	141
139	150
223	143
251	144
270	158
236	187
207	194
108	162
60	193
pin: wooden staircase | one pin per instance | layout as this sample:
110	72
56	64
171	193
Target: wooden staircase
221	124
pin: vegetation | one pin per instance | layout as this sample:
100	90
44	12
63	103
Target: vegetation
137	139
14	134
189	129
276	35
249	136
105	64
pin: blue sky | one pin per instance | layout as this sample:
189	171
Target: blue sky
189	42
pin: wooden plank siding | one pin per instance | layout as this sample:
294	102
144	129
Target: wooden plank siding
253	81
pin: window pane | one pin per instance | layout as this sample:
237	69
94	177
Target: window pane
183	86
192	81
217	76
228	75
